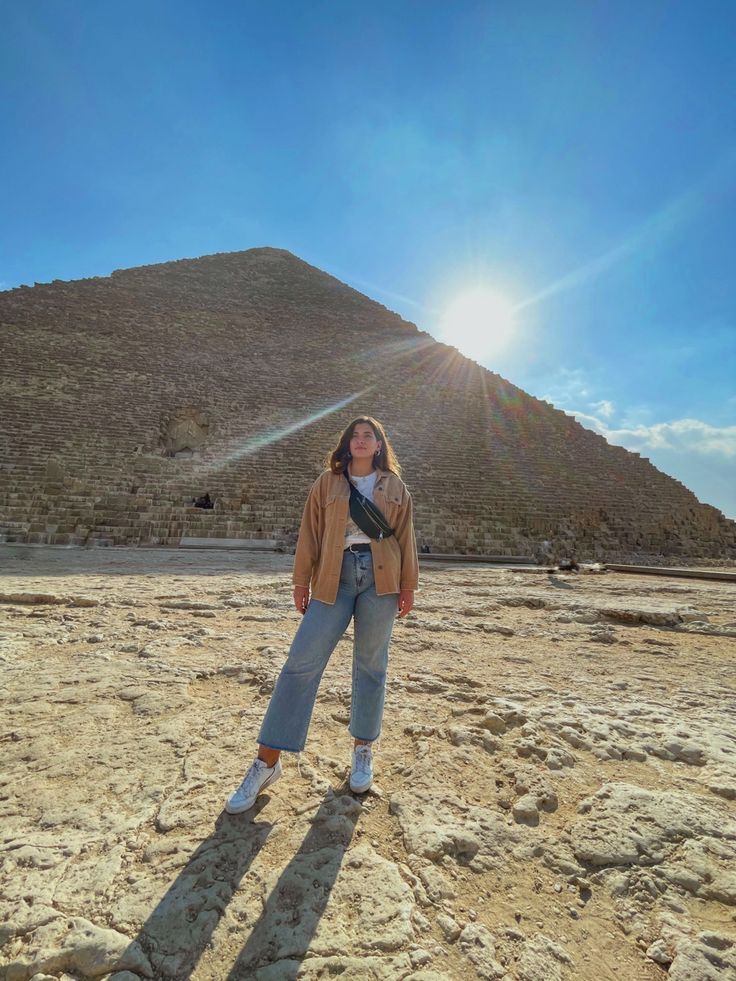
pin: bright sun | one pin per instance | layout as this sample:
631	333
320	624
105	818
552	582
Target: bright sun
478	323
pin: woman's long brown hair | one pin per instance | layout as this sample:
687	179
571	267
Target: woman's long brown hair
339	458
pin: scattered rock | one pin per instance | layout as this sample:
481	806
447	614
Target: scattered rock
77	946
525	809
479	945
541	959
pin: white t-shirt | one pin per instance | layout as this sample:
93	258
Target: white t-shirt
365	485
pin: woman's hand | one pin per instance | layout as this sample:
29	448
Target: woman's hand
301	598
406	601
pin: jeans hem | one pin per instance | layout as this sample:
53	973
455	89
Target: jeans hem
281	749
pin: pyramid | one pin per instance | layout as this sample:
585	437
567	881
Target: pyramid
126	397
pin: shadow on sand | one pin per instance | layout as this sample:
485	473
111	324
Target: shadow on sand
181	926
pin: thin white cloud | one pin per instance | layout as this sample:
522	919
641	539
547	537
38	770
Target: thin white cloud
680	435
568	386
604	408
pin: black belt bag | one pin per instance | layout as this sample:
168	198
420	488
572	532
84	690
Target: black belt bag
366	515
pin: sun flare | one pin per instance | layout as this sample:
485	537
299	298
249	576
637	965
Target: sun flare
478	322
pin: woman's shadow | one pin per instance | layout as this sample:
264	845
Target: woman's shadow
181	926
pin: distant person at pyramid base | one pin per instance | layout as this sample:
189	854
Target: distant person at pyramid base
205	502
357	557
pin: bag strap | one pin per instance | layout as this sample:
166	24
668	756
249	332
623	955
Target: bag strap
367	516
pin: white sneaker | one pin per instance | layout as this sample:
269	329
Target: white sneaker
361	772
256	779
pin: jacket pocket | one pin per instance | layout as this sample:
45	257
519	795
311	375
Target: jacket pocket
330	500
393	509
333	519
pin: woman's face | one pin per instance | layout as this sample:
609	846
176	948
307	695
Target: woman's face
363	442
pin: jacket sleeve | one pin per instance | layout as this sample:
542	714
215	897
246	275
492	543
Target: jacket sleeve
404	531
310	537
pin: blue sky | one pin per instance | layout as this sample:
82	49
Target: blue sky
577	157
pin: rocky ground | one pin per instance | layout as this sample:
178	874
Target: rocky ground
555	793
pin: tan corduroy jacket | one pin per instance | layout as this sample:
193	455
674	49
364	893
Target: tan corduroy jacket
319	550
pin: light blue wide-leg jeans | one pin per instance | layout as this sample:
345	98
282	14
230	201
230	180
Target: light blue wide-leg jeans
289	711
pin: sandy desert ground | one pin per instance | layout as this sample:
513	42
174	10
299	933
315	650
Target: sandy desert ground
555	793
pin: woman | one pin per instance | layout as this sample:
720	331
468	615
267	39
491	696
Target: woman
351	575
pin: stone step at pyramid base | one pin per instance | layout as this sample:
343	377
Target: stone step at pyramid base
247	544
